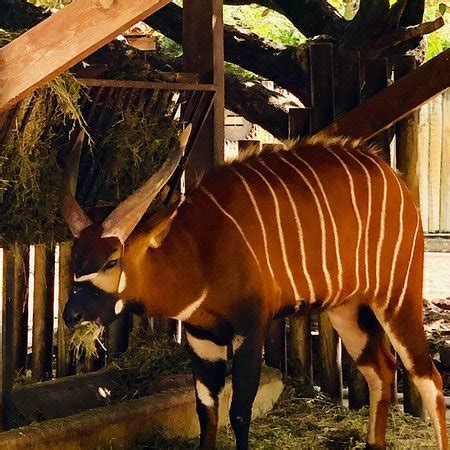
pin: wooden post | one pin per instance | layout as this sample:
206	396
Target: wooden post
20	307
203	54
64	362
376	79
7	369
43	313
300	354
275	344
322	114
117	337
435	162
347	97
407	134
445	175
300	348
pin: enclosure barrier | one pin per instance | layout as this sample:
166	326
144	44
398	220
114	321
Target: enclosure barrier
305	345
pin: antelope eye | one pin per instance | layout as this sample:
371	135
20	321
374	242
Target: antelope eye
110	264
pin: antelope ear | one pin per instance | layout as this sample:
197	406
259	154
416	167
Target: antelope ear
161	230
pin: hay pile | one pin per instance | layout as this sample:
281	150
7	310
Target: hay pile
304	419
34	144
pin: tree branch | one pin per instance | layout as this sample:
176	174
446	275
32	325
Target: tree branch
269	60
310	17
401	35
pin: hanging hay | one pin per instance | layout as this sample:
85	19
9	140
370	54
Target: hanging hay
86	338
148	357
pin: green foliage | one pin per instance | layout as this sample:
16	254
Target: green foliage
438	41
265	23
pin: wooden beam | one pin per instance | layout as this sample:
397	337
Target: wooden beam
203	54
396	101
130	84
64	39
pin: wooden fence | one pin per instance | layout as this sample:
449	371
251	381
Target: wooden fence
303	345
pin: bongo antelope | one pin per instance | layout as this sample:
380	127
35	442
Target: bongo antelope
324	223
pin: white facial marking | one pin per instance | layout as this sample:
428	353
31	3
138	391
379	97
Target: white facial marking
118	307
203	394
89	276
238	340
122	282
205	349
190	309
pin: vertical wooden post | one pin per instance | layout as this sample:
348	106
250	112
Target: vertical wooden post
64	362
445	174
407	134
20	307
117	336
300	348
7	369
43	313
322	114
203	54
376	79
275	344
347	97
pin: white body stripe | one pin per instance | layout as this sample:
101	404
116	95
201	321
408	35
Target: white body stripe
205	349
397	244
280	233
382	224
322	226
411	256
299	230
369	215
260	219
229	216
333	225
358	218
190	309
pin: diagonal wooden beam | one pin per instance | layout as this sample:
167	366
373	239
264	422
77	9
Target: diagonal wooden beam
64	39
396	101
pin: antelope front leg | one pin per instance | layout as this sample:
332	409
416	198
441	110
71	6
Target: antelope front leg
246	373
208	369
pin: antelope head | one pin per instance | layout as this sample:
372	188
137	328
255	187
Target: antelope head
98	246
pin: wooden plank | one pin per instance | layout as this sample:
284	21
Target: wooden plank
322	86
203	53
300	348
330	351
403	97
376	80
64	39
20	307
322	113
444	220
64	361
407	134
299	122
275	344
435	159
7	368
43	313
424	141
147	85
